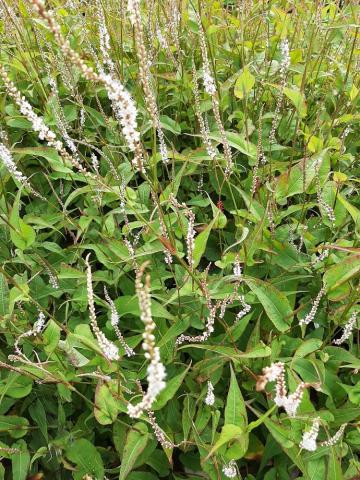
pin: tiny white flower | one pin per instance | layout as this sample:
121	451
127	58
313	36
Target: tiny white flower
229	470
210	397
308	441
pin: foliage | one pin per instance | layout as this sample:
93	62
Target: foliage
263	230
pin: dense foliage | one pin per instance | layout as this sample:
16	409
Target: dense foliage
179	235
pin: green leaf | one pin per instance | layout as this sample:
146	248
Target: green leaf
172	386
291	182
38	414
275	303
106	408
15	426
200	243
20	461
237	141
4	295
168	123
298	100
86	458
16	386
51	336
135	444
235	409
228	433
21	234
244	84
353	211
279	432
307	347
342	272
129	304
235	414
260	351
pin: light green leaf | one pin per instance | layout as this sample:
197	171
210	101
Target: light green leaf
172	386
106	408
235	409
342	272
235	414
51	336
260	351
15	426
228	433
21	234
244	84
200	243
38	414
4	295
275	303
87	459
20	461
135	444
168	123
298	100
307	347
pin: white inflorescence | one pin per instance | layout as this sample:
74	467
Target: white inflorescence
229	470
285	56
108	348
39	324
156	371
237	271
115	324
284	66
104	38
273	372
190	235
204	127
124	109
292	402
276	373
209	83
321	257
348	329
132	9
95	162
210	397
315	305
10	165
322	204
245	309
35	330
308	441
335	438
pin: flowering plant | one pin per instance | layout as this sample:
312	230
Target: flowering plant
180	216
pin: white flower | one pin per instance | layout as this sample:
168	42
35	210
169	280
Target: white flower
292	402
237	270
272	373
335	438
308	441
348	328
229	470
210	397
285	59
156	371
115	324
124	109
108	348
209	83
10	165
39	324
132	8
311	315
